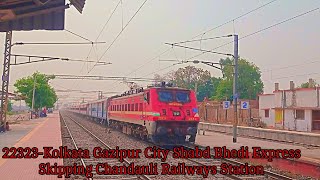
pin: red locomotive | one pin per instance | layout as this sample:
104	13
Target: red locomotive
164	115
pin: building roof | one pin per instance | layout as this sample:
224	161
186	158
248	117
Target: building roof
25	15
78	4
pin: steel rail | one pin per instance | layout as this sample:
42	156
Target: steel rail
144	177
74	143
234	162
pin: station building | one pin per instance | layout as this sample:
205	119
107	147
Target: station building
295	109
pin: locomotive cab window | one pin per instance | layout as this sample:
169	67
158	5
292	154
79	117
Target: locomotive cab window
182	97
165	96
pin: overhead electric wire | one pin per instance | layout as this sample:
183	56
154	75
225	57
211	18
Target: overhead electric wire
56	43
197	49
285	77
152	59
104	53
107	22
286	67
259	31
232	20
78	35
160	70
216	27
211	38
47	58
251	34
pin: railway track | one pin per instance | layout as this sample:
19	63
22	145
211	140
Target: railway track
267	174
84	139
202	162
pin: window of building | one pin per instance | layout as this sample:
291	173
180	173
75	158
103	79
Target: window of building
300	114
266	113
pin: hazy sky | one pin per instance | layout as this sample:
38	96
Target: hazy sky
295	42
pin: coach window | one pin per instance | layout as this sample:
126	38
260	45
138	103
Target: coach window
140	107
126	107
132	107
136	107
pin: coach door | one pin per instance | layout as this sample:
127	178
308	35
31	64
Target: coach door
146	99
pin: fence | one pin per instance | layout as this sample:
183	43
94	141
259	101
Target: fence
22	116
213	112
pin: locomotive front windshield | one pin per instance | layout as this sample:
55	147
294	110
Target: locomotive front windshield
182	97
171	96
165	96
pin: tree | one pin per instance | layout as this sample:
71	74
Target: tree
208	89
249	80
306	84
45	95
191	77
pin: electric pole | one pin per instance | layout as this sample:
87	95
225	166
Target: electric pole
5	80
235	87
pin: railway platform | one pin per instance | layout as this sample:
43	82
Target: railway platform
308	164
34	133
